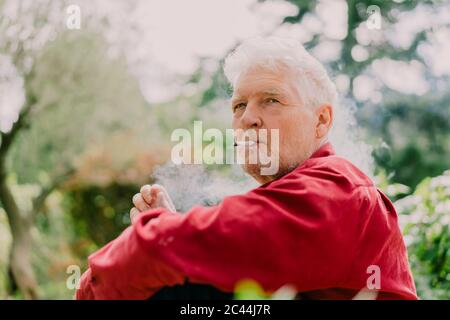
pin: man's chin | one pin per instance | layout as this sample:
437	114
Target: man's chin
254	170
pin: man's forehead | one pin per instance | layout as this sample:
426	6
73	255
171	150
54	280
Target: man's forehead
262	83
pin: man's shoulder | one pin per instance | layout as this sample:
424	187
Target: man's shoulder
330	180
334	168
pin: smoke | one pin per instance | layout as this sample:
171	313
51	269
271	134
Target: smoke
190	185
346	140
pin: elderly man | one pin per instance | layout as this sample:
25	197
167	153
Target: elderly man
318	224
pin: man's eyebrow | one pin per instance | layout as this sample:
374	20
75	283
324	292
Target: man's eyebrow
237	98
271	92
267	92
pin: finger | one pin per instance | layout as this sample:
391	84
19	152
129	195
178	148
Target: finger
167	198
160	202
146	194
155	189
139	202
133	213
167	201
159	188
164	202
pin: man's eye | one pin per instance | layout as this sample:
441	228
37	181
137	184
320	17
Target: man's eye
272	100
239	106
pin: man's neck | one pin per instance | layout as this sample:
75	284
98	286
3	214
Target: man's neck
282	172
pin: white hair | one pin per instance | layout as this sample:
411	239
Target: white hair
316	87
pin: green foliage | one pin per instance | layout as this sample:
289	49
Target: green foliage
416	135
99	214
249	290
392	190
5	242
55	234
425	217
82	98
252	290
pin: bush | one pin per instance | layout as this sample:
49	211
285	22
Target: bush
424	217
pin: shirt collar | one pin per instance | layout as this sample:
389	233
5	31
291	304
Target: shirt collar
324	151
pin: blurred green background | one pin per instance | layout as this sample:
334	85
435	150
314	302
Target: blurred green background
86	114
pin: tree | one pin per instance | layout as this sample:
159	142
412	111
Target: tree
20	51
75	98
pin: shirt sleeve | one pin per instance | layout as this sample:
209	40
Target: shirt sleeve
288	233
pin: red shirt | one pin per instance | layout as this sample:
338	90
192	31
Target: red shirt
318	228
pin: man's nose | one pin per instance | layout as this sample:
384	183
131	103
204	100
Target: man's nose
251	117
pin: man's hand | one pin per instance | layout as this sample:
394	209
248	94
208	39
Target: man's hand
150	197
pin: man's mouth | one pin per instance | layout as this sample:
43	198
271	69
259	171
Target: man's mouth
248	144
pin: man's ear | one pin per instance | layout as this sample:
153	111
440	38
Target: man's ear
324	116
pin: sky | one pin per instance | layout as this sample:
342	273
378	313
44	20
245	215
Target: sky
174	34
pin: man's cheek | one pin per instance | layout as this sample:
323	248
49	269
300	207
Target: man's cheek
235	123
